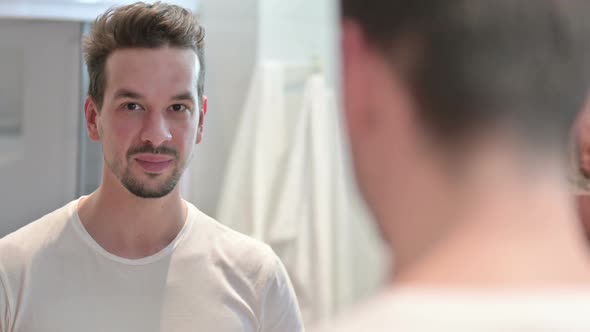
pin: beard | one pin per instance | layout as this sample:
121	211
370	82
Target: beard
138	187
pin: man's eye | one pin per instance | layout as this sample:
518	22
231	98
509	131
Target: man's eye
132	107
178	108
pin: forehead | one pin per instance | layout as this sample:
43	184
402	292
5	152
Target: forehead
152	71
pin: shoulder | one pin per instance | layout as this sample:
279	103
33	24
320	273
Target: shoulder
225	243
446	310
19	249
250	266
239	257
374	314
33	236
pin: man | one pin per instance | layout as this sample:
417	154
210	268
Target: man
458	113
134	256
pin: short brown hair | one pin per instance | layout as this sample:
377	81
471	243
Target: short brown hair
140	25
484	63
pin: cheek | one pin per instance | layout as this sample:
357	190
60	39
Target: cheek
124	126
184	136
117	134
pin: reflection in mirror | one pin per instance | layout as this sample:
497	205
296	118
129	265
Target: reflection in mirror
273	164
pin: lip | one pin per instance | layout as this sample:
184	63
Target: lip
152	163
153	158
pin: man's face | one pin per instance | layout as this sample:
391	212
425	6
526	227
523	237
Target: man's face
150	118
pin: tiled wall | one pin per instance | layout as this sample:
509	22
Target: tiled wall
299	30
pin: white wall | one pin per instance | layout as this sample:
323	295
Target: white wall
39	173
297	31
230	54
294	30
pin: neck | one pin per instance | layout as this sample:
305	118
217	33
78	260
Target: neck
505	228
129	226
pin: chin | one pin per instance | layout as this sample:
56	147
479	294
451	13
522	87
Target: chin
150	193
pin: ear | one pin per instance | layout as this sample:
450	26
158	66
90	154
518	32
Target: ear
91	113
356	75
202	113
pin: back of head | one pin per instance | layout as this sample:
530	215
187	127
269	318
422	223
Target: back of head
140	25
464	106
483	64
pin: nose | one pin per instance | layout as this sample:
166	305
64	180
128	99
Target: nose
155	129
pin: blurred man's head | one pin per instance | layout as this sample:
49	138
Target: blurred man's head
431	85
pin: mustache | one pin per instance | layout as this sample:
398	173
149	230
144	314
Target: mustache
149	148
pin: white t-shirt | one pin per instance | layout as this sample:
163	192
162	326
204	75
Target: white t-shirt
447	311
55	278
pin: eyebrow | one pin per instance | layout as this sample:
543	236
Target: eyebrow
185	96
125	93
